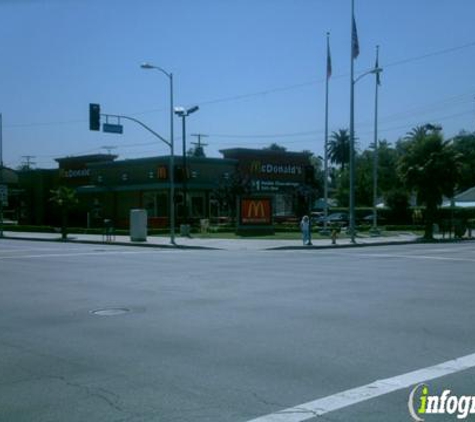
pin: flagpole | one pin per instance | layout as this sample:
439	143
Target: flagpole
375	157
325	154
352	129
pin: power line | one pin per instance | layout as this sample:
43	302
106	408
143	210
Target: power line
109	148
199	144
338	76
429	55
262	92
27	163
273	135
411	125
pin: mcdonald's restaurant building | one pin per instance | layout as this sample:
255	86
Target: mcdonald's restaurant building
284	176
109	188
116	187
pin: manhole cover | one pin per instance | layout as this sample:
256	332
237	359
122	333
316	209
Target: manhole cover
110	311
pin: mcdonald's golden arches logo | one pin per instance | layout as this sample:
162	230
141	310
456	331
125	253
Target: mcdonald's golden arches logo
256	211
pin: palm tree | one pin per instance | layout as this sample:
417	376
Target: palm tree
430	166
65	198
339	148
422	131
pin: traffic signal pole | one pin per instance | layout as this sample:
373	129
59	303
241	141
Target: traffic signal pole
1	175
95	122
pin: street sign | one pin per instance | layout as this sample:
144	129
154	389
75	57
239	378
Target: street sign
4	195
109	128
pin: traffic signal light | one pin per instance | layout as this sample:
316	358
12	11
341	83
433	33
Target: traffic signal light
94	117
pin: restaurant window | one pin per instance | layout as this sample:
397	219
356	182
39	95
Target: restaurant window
197	206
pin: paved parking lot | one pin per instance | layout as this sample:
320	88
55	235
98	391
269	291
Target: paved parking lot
108	333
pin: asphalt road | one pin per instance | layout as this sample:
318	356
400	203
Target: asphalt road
225	336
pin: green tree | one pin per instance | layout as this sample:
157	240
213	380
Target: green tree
196	151
339	148
364	174
430	167
422	131
364	178
316	163
228	191
388	179
397	200
65	198
275	147
464	144
342	191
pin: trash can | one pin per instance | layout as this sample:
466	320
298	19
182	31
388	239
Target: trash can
138	225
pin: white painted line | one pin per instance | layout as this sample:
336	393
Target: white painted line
320	407
24	250
435	258
66	254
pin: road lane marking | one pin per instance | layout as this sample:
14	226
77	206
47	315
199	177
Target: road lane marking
347	398
435	258
66	254
341	253
19	250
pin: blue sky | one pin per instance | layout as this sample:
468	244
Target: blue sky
256	68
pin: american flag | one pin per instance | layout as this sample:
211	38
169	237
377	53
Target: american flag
376	66
355	47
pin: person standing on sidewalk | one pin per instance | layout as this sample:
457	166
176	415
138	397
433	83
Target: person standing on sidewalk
305	228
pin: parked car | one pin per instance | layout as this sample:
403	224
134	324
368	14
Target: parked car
369	219
338	218
315	216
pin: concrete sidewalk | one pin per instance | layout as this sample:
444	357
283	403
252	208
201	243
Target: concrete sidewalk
211	243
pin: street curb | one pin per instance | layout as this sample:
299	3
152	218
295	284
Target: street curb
275	248
104	243
343	246
359	245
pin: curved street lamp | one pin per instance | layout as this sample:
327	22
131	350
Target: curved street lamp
375	71
169	75
374	229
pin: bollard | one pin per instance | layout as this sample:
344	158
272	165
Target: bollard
334	236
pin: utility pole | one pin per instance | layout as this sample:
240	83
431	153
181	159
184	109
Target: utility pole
28	161
199	144
199	136
109	148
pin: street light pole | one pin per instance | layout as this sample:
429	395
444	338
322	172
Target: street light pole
376	71
184	171
184	113
172	152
